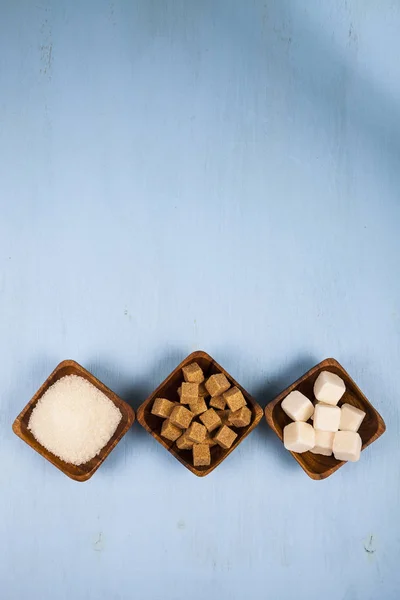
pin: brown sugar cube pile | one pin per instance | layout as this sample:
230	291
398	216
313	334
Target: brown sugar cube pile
241	417
198	407
181	417
225	437
218	402
201	455
162	408
217	384
196	433
189	392
183	443
193	373
215	407
210	419
234	399
170	431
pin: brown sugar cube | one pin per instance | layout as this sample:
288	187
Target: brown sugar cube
225	437
193	373
201	455
234	399
224	415
218	402
196	433
217	384
210	419
241	417
183	443
170	431
181	417
189	392
198	407
210	440
202	391
162	407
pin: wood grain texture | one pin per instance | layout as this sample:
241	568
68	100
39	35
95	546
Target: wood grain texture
78	472
315	465
168	389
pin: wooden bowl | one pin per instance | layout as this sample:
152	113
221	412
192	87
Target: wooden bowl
85	471
168	389
372	427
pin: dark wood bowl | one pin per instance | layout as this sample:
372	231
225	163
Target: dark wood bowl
85	471
168	389
315	465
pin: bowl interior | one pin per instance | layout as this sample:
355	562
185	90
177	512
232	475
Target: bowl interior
168	389
81	472
317	464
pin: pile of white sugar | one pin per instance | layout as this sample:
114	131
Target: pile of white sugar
74	420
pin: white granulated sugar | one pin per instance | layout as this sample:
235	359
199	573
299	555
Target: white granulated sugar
74	420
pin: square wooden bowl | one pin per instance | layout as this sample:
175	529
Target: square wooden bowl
85	471
168	389
372	427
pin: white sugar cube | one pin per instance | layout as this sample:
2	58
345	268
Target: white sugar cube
299	437
297	406
329	388
312	416
347	445
350	418
323	442
326	417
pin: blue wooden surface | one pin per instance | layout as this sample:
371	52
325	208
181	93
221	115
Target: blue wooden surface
177	175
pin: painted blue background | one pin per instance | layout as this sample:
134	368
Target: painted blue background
177	175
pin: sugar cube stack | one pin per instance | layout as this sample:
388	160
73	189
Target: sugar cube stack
209	414
334	428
